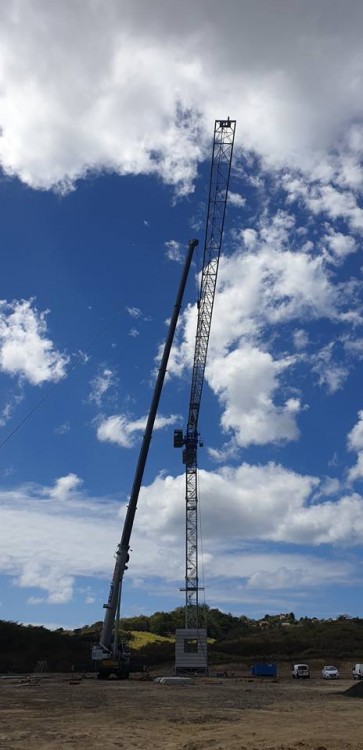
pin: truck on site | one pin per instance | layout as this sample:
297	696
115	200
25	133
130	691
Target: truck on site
357	672
300	671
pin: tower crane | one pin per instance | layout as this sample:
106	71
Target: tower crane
224	131
110	655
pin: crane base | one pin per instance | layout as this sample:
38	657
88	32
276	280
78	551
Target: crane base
191	655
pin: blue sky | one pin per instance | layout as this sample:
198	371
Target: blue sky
107	116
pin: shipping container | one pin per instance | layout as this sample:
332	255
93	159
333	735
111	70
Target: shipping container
264	670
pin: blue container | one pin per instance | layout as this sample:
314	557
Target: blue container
264	670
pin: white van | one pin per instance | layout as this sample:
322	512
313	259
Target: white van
300	670
358	672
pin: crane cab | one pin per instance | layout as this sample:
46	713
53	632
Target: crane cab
178	439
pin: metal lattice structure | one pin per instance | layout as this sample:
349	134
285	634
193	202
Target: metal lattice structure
223	141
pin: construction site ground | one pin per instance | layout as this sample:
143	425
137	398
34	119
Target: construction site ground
59	712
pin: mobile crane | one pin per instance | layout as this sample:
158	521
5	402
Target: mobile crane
224	131
112	656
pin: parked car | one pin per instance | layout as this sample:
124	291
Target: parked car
358	672
330	673
300	670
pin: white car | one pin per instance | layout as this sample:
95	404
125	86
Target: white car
330	673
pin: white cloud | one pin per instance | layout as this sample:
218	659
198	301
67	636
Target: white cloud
329	487
174	250
326	199
355	437
269	285
340	245
280	578
260	497
122	431
101	384
246	380
65	487
355	443
82	357
356	471
5	414
60	529
137	314
300	574
301	339
353	345
273	285
235	199
331	373
326	523
133	332
265	503
249	237
54	533
25	349
62	429
36	573
229	450
134	312
105	63
14	398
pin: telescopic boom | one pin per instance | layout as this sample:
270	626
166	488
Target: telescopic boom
104	649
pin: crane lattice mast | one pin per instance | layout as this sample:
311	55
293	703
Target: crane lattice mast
223	141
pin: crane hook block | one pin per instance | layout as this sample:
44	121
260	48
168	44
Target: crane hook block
178	439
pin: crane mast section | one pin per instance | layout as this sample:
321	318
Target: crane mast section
223	141
224	131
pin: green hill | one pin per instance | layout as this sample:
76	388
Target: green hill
151	638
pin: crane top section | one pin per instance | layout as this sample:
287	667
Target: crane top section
223	141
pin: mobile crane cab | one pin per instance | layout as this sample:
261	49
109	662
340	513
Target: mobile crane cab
112	664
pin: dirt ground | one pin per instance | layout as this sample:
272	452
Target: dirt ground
58	713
